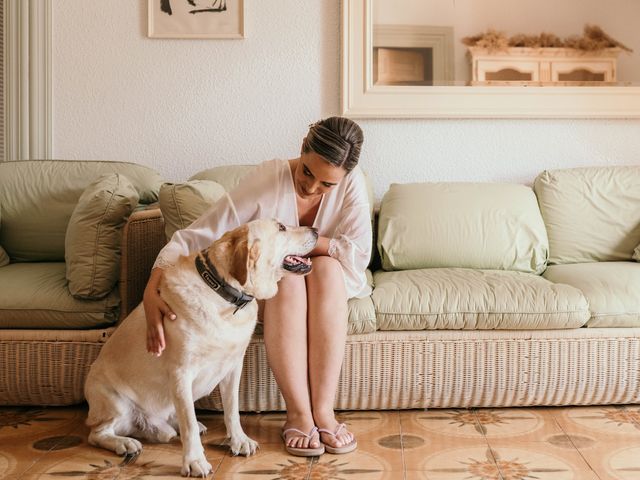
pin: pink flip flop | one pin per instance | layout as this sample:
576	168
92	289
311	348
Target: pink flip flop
349	447
302	452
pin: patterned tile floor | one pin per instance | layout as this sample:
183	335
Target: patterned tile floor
580	443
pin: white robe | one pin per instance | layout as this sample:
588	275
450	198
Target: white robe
268	192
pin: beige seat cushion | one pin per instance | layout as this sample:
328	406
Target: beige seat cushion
94	234
182	203
362	314
458	298
591	214
467	225
611	288
35	295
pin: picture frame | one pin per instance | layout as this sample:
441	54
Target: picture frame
196	19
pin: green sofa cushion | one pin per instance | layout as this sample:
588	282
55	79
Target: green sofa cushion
38	197
459	298
182	203
466	225
591	214
35	296
94	234
610	287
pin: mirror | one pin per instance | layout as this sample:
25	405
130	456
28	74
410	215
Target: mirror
407	58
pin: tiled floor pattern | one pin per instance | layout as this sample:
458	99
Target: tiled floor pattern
580	443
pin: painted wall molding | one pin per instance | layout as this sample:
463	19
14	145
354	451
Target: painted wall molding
28	80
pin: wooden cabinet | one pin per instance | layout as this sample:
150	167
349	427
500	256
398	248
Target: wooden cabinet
543	66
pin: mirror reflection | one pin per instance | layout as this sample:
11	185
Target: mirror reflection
505	42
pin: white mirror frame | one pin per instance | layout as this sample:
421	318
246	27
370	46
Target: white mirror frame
361	99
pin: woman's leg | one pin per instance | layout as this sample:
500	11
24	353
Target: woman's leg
327	324
285	337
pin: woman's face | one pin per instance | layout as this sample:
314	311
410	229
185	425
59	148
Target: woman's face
315	176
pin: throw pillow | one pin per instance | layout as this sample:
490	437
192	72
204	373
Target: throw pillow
636	254
92	241
182	203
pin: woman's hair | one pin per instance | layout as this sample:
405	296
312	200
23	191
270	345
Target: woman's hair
337	139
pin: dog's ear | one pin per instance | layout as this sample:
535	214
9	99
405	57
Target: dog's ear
254	253
240	253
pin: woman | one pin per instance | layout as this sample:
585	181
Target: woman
305	324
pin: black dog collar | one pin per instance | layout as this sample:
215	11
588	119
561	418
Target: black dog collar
211	277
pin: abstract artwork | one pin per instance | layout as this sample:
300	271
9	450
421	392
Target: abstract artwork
196	18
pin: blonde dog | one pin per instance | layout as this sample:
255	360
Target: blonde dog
134	394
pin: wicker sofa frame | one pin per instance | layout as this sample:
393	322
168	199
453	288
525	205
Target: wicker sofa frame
382	370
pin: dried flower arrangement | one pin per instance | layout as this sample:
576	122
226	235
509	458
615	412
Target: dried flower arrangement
593	38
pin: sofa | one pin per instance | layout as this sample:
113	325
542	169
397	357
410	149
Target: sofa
485	295
66	277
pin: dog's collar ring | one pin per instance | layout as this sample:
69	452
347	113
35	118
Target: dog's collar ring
210	275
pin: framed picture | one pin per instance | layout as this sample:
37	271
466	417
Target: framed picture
196	18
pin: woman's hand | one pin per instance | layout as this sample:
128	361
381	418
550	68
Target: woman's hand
155	310
321	248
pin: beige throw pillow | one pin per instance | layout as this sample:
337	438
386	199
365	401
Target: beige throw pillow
182	203
93	237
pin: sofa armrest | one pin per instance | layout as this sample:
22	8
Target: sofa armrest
142	239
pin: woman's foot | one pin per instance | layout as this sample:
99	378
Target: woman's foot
335	436
301	436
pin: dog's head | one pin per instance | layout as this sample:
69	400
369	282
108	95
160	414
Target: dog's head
258	253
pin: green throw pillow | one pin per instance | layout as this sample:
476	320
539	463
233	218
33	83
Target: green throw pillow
182	203
93	237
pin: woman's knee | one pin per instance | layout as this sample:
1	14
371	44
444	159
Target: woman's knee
292	294
326	274
326	266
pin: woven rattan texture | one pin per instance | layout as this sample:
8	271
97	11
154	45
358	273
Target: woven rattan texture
435	373
44	373
142	239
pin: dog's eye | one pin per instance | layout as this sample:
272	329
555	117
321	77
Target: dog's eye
282	228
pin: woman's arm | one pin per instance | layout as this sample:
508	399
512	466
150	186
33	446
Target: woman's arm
238	206
352	240
321	248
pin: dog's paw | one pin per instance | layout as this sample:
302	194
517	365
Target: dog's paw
127	446
243	445
198	467
201	428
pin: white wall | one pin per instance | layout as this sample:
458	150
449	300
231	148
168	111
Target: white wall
181	106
